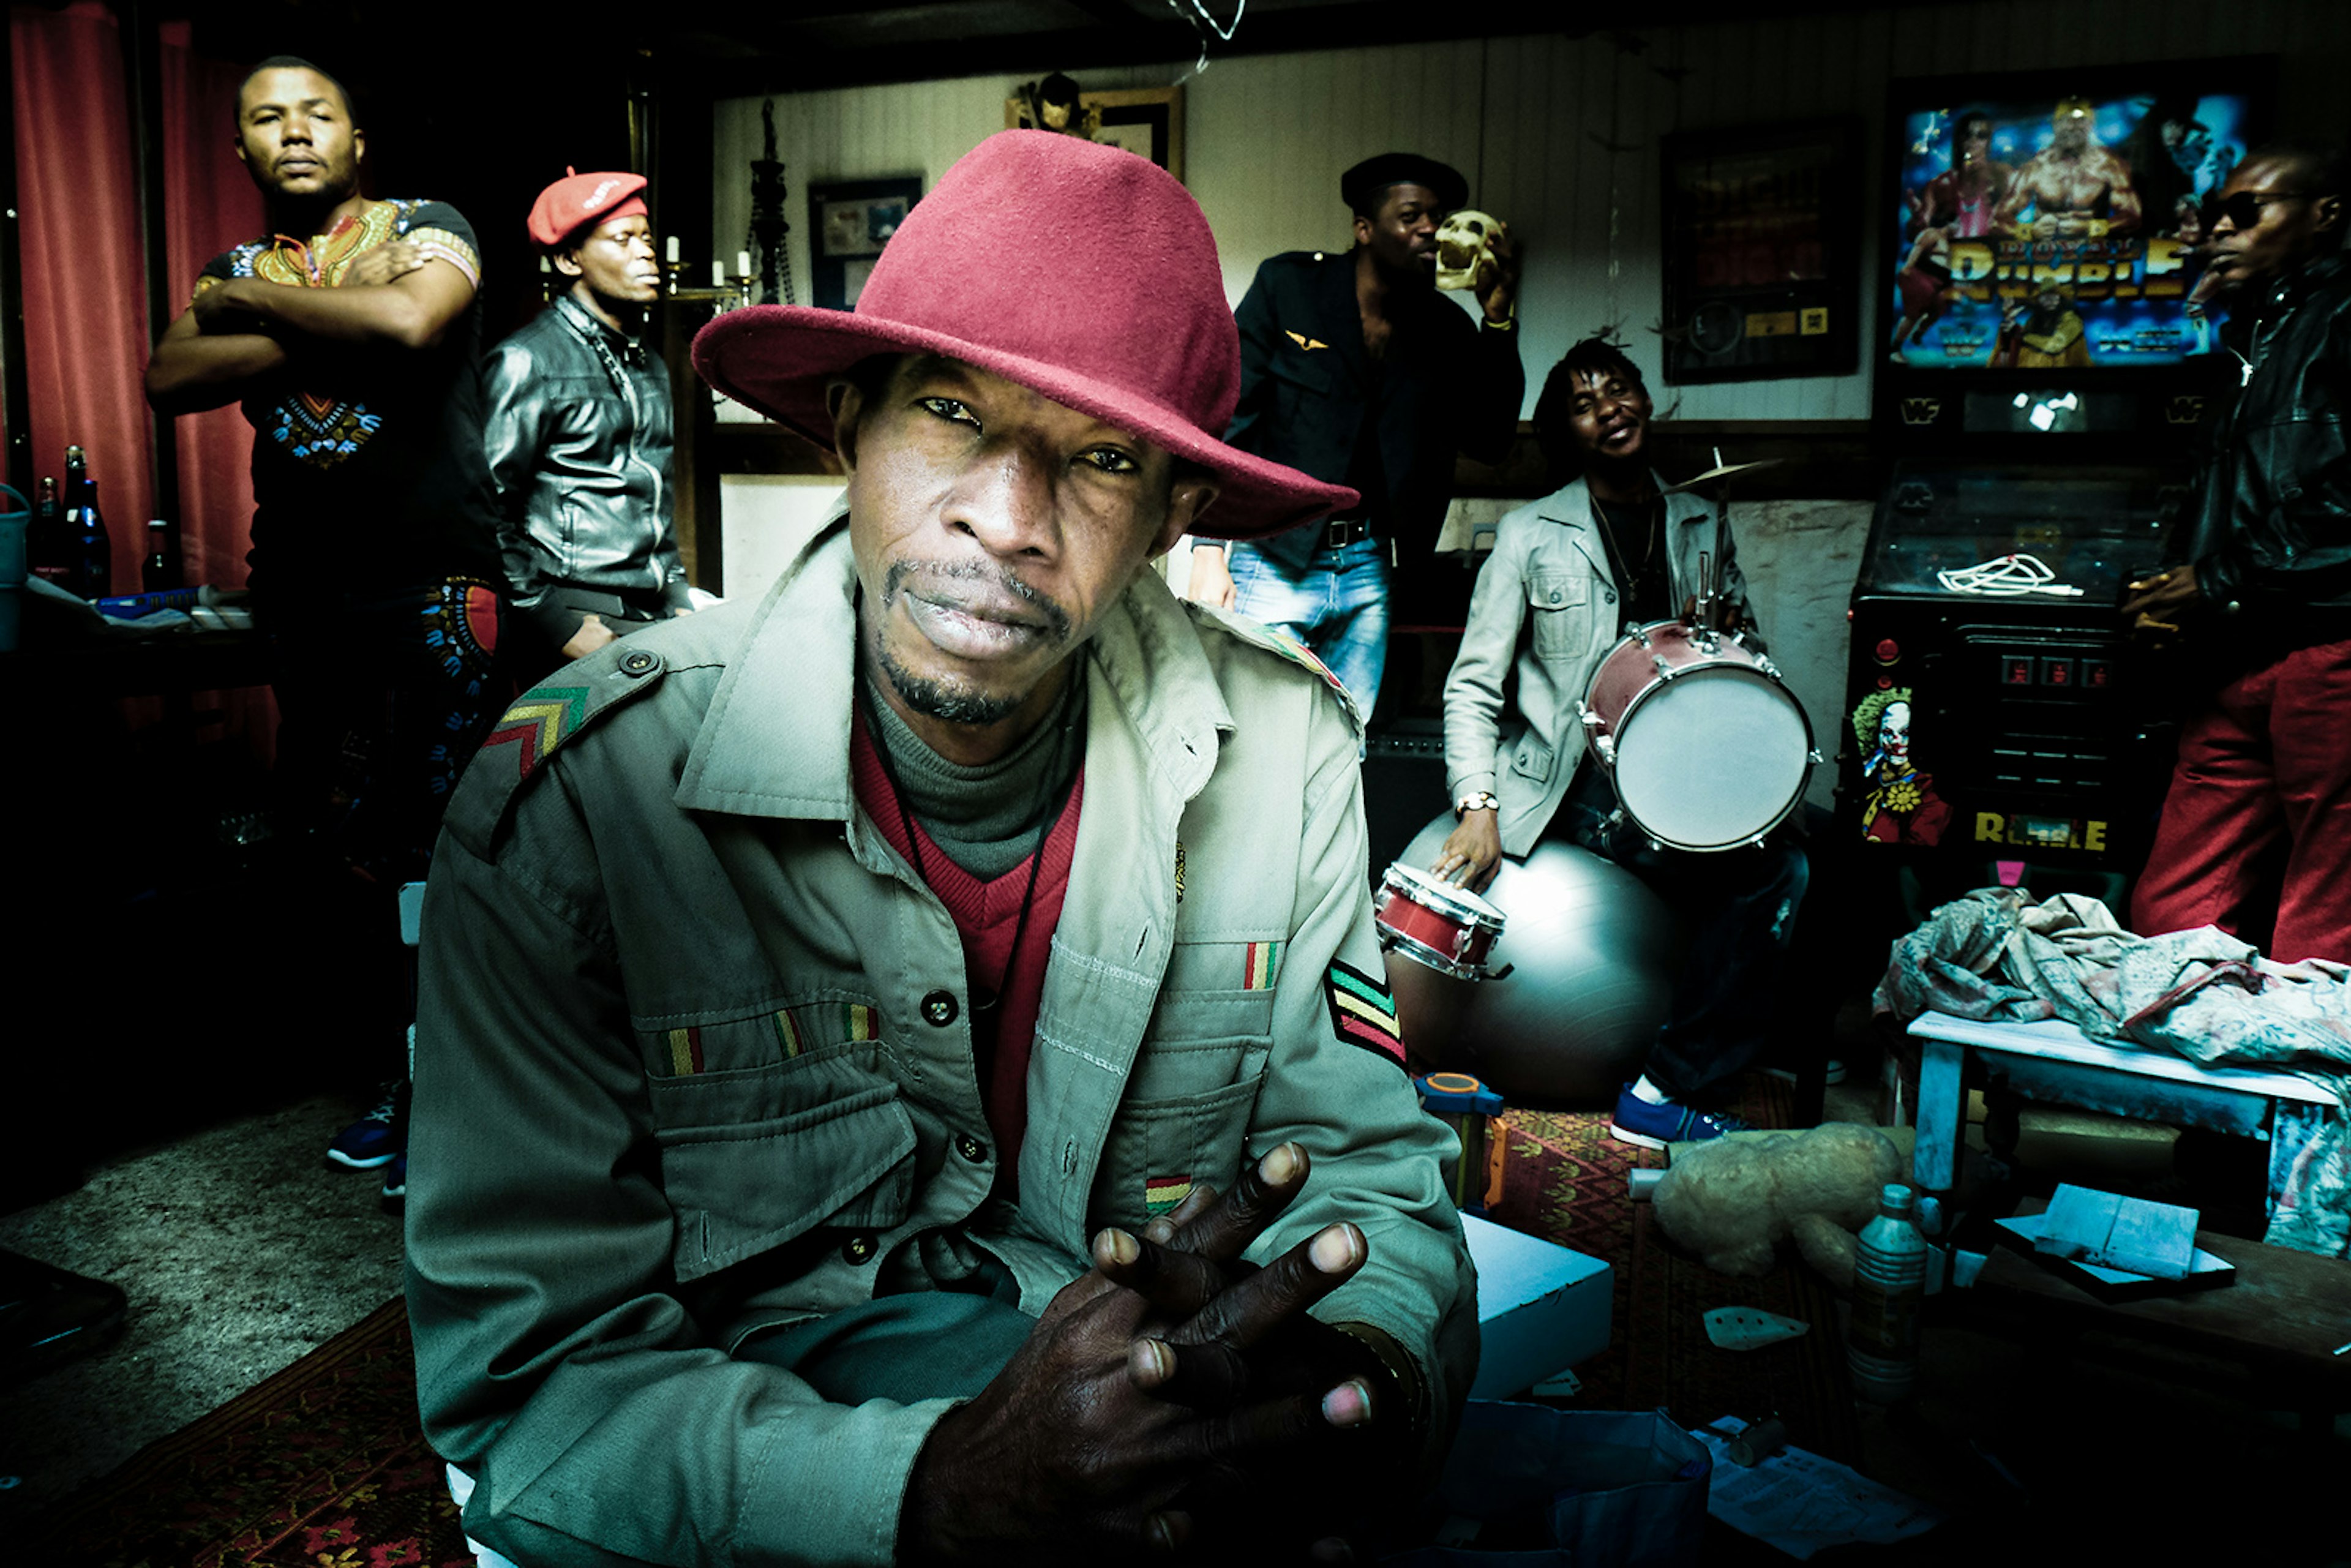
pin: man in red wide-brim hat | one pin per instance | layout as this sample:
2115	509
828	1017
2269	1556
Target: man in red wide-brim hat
872	1034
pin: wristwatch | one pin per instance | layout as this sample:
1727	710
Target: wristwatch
1483	800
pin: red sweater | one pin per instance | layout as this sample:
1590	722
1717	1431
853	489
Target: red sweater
986	914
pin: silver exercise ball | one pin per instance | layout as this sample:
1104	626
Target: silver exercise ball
1593	953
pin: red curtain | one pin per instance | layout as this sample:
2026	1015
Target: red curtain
85	282
86	327
209	204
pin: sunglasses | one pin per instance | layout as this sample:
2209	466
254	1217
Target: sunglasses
2243	210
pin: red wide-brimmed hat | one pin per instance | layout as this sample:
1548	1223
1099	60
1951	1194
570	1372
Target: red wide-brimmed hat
1084	272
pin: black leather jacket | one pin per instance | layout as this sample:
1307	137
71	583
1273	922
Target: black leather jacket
1448	384
2272	543
576	434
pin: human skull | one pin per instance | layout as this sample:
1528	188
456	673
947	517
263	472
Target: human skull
1465	248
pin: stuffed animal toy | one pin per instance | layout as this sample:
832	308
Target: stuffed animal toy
1734	1201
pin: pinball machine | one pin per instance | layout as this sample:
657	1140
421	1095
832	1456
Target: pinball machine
1997	708
2049	368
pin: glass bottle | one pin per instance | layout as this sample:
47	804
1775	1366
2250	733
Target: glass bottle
45	545
91	551
161	571
1889	1285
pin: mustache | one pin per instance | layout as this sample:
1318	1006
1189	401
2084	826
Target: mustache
894	580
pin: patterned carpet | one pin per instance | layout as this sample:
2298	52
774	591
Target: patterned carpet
323	1466
1566	1179
320	1466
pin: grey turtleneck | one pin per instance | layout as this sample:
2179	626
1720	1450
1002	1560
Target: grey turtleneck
987	818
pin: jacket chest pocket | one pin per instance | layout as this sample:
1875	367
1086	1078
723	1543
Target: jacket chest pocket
1184	1116
1157	1149
752	1157
1560	609
1305	386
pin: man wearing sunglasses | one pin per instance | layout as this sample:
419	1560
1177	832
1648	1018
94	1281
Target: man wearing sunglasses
2266	762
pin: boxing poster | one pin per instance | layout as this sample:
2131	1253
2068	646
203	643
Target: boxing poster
2062	230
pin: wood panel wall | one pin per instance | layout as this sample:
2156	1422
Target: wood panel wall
1558	136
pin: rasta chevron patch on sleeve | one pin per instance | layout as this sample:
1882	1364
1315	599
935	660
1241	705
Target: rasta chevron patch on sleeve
1362	1012
538	723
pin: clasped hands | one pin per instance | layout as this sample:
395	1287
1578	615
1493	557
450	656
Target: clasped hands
1174	1397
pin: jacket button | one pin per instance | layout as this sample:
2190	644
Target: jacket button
1554	596
859	1247
939	1009
1609	596
970	1148
637	662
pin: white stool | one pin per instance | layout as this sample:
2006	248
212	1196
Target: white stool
2052	1062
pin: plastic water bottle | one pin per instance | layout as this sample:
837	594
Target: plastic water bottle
1888	1285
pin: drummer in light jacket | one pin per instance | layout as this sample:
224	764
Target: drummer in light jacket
1566	574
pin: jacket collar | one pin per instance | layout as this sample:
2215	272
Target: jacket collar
775	739
2306	280
1572	503
584	326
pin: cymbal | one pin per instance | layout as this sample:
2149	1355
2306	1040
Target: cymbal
1723	472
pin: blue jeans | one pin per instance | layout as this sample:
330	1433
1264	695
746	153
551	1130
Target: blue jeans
1338	609
1739	907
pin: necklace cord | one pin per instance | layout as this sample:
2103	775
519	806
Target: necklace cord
1046	805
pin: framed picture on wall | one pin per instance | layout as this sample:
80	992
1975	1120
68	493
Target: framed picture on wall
1146	121
1762	253
848	223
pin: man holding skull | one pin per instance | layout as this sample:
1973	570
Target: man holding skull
1354	370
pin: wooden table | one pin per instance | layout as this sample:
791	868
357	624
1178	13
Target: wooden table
2281	1320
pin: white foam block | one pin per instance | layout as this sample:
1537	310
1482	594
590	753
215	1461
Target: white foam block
1541	1308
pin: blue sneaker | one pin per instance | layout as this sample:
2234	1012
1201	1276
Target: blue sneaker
395	1183
371	1142
1654	1126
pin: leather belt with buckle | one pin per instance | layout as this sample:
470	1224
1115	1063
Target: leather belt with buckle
1341	532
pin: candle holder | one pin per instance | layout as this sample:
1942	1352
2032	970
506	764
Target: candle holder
721	296
768	225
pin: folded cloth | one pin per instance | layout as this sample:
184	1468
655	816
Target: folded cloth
1996	956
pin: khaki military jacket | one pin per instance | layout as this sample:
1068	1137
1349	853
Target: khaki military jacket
1546	599
692	1062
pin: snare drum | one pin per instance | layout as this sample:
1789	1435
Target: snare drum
1449	928
1705	747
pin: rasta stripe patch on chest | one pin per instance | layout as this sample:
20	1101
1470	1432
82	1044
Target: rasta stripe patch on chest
1264	961
684	1053
1161	1193
1362	1012
825	1023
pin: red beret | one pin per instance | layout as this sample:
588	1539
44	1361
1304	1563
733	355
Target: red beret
577	199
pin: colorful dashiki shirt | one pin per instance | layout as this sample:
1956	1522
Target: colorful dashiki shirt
314	429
